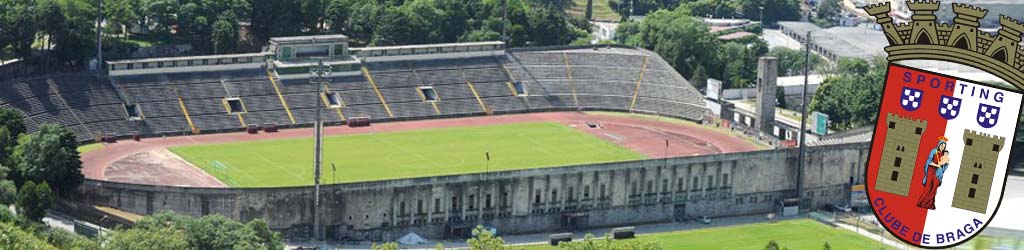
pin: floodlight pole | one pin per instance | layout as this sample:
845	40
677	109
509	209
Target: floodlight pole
803	121
318	127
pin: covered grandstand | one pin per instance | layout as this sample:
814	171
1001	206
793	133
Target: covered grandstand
174	96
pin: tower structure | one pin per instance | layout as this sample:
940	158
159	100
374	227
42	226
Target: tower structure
977	170
902	142
767	74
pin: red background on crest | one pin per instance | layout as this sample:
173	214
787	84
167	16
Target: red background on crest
905	208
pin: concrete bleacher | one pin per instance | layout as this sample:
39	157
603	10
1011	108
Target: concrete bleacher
564	79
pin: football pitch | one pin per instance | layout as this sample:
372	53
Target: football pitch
791	234
405	154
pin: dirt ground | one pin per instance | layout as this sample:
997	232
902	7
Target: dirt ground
149	162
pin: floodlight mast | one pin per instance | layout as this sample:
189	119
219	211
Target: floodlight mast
317	77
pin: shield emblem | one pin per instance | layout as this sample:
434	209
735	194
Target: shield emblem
935	179
949	107
988	115
910	99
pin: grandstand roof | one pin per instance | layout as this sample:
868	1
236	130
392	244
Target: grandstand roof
182	58
308	39
416	46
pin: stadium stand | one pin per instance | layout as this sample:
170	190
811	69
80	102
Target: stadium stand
520	80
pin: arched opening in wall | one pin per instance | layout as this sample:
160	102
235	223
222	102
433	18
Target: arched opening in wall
961	42
924	39
1000	55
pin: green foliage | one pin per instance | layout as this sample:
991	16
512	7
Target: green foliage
791	61
385	246
827	13
8	193
851	96
607	243
213	232
153	238
12	125
484	240
684	42
14	238
18	26
827	246
225	35
65	240
11	119
34	200
680	39
50	155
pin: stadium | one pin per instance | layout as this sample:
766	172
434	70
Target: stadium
432	139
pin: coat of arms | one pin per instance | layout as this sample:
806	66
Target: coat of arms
941	146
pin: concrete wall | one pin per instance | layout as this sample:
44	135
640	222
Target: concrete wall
597	195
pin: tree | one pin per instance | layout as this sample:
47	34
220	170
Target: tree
682	40
155	238
394	27
214	231
791	61
225	34
13	120
828	13
8	193
34	200
827	246
484	240
772	245
851	96
18	23
589	14
12	237
50	155
774	10
263	236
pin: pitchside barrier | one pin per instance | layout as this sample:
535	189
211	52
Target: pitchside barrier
623	232
554	239
362	121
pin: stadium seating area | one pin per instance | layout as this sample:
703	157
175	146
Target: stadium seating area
520	81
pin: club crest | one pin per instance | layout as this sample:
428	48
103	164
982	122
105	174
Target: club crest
934	177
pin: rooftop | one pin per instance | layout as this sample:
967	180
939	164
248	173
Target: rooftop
415	46
855	42
183	58
303	39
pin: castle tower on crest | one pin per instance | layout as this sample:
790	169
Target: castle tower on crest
977	170
923	22
899	154
924	39
965	26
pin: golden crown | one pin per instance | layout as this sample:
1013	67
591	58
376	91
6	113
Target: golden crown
962	42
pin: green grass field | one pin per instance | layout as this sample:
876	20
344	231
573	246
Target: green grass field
89	147
792	234
417	153
602	10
